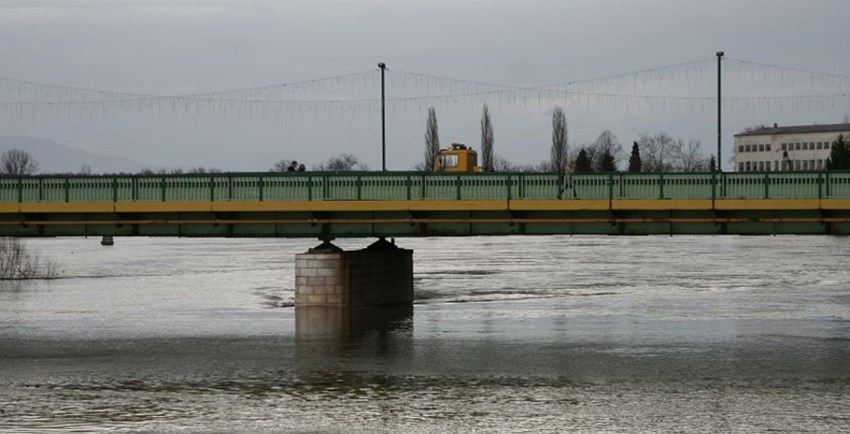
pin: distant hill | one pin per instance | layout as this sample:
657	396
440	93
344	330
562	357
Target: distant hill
55	157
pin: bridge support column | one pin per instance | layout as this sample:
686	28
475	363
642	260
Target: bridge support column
342	293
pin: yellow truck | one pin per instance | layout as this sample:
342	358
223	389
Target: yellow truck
457	158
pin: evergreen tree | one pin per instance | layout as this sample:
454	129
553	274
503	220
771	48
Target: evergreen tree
606	143
634	160
712	164
839	155
583	162
607	163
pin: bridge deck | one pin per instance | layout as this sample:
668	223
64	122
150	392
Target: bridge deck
414	204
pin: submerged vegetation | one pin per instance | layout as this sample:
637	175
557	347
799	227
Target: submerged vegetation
17	263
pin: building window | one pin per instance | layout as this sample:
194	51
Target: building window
740	148
767	147
820	164
783	146
796	146
761	148
748	166
740	167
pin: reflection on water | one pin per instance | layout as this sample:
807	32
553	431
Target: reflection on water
343	323
554	334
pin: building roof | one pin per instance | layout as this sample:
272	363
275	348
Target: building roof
796	129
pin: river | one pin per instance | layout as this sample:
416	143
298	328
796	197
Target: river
687	334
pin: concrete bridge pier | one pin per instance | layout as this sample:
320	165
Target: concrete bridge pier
346	293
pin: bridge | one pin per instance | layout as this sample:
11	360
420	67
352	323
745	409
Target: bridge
400	204
343	292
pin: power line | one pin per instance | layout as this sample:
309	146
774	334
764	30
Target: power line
50	97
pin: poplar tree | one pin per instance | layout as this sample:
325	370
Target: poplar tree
486	140
558	154
432	140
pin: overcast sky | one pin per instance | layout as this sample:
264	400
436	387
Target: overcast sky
193	46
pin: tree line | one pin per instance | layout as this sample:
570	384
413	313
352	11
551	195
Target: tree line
658	152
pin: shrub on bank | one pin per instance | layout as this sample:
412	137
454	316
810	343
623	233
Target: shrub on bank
17	263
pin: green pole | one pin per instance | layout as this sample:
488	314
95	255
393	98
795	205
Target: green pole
383	67
719	160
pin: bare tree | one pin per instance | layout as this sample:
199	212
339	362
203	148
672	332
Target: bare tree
202	169
486	140
606	152
657	152
689	157
558	154
502	164
341	163
17	263
16	162
432	141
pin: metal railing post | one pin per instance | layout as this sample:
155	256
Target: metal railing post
260	188
661	186
766	185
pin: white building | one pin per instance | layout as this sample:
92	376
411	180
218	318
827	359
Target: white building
800	148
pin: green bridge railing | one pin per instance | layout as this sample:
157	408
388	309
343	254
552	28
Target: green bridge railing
318	186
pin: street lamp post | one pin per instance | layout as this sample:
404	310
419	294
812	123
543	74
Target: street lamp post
719	161
383	67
